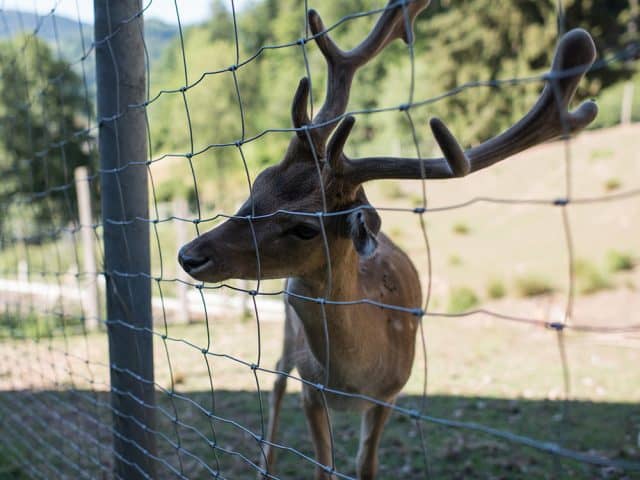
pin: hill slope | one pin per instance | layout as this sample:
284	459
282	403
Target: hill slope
69	35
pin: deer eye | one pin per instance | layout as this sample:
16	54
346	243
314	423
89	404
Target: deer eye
303	231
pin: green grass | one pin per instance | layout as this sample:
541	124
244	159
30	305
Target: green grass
36	326
468	382
452	453
10	467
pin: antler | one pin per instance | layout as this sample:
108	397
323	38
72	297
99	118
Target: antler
548	119
396	22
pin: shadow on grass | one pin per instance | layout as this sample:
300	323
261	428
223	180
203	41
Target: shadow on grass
51	434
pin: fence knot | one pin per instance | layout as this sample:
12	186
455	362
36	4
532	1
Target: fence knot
556	326
560	202
419	210
404	107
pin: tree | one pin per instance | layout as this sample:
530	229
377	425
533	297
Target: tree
466	41
492	40
43	107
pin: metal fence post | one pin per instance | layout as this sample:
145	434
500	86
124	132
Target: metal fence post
121	82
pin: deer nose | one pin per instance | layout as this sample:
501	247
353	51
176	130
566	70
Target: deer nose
190	262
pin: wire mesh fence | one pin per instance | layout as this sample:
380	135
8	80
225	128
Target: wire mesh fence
116	364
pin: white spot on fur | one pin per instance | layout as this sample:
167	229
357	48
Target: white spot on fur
356	223
370	247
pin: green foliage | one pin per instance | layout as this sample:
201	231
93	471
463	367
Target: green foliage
618	261
610	104
456	43
589	279
496	289
39	144
532	285
462	299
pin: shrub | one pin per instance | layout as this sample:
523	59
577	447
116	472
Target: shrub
455	260
618	261
462	299
461	228
496	289
532	285
612	184
589	279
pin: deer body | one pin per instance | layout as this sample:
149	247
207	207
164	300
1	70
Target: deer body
365	341
308	220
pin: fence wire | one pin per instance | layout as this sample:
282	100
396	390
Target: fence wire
55	410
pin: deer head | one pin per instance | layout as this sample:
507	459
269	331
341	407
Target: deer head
316	190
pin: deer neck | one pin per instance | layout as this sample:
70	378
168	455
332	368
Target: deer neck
340	283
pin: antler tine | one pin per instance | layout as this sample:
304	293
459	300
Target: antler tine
299	114
547	119
343	65
336	145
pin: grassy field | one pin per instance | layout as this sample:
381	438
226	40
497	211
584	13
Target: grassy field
501	375
483	369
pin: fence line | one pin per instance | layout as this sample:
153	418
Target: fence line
126	224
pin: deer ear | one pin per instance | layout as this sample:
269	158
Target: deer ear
364	225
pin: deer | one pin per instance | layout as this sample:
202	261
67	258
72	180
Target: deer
308	220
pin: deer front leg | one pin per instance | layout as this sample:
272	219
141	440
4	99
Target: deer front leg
373	421
284	366
275	402
317	419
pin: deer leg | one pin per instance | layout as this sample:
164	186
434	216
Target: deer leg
318	421
372	424
284	365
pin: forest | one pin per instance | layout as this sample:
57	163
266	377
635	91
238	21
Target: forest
477	64
474	43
